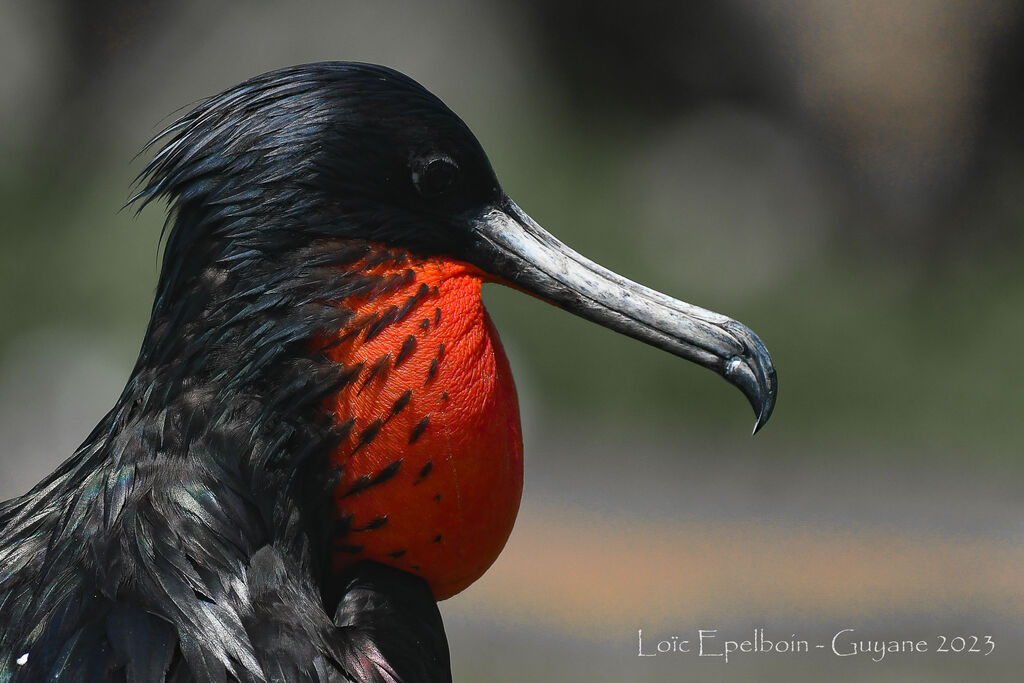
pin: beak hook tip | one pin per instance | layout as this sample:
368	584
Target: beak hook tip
767	403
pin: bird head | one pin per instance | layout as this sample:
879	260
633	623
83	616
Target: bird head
346	151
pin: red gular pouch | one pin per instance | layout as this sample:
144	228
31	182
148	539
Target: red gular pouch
432	467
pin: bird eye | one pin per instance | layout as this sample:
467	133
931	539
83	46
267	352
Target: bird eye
435	176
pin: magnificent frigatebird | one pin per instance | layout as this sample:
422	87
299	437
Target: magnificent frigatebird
321	436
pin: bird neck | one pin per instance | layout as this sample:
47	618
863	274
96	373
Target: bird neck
346	357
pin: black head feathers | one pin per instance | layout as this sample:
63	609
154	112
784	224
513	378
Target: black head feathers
333	149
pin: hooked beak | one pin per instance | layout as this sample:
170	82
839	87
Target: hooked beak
510	245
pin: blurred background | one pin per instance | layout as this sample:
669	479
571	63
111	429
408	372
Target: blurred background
844	177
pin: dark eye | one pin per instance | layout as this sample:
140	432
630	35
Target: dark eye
434	176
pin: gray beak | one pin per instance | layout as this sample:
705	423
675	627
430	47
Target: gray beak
509	244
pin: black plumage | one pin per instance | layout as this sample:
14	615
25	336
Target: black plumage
189	537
